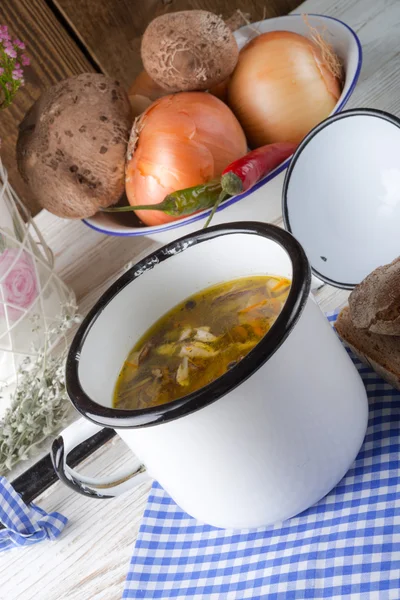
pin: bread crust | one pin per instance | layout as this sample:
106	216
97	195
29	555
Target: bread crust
375	302
380	352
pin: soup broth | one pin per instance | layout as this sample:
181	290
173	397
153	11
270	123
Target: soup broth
199	340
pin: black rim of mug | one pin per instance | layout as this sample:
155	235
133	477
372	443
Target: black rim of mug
297	298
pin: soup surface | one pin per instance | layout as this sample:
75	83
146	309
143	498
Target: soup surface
199	340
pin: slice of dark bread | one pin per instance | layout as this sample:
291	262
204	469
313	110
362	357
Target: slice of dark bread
375	302
380	352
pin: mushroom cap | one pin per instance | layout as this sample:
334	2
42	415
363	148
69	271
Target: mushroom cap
189	50
72	143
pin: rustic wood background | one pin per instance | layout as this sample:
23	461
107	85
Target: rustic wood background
67	37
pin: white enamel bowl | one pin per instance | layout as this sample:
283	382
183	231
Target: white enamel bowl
341	197
262	202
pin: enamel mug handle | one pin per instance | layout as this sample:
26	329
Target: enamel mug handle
80	431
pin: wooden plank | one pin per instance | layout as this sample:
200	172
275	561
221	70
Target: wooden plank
112	29
87	260
54	56
78	566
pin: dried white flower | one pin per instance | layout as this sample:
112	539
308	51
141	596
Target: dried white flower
40	405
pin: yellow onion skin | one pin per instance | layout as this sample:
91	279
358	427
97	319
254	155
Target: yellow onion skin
183	140
281	88
143	92
221	90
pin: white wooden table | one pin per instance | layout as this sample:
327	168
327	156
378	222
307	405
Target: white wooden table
90	560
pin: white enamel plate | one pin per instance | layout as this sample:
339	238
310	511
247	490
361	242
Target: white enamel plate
341	196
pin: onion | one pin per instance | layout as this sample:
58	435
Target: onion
143	92
283	85
221	90
182	140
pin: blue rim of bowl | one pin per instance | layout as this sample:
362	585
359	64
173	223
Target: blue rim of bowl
371	112
176	224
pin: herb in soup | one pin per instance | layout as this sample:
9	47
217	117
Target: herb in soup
199	340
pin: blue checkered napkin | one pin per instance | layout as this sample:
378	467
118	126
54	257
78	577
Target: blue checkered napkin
346	546
25	525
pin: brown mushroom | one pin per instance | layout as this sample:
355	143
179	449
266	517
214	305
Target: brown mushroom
72	144
189	50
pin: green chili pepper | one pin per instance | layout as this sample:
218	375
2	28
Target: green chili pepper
220	199
181	202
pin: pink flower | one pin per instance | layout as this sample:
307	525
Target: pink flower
4	35
17	74
10	51
11	65
19	286
19	44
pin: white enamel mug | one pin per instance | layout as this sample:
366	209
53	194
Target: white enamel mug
260	444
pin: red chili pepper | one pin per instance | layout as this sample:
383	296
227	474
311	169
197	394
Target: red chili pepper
245	172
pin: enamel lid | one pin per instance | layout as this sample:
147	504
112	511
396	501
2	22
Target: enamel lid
341	195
